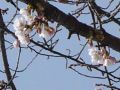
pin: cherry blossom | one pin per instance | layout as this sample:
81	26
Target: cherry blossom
24	25
96	56
27	16
100	57
109	61
16	44
19	23
46	31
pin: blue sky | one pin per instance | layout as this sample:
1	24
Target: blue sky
44	74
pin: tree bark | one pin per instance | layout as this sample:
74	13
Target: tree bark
73	25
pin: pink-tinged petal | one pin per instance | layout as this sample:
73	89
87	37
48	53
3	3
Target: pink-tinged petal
101	61
51	31
96	56
16	44
91	50
109	61
94	61
24	12
19	23
38	30
24	40
46	31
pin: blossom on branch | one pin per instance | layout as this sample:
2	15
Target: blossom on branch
109	61
16	44
26	13
100	57
46	31
24	24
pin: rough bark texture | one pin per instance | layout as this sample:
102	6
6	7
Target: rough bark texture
73	25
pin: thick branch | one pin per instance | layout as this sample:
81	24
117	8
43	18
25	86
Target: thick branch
73	25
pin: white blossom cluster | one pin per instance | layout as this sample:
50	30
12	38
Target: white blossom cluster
24	24
20	26
99	57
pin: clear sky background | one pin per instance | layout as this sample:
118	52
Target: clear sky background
51	74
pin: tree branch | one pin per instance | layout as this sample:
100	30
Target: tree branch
73	25
4	54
